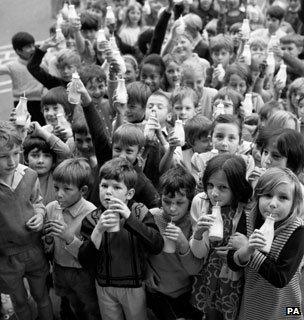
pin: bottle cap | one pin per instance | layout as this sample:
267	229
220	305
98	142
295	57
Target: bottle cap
75	75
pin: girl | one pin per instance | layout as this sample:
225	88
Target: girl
295	91
172	74
272	280
132	25
226	138
132	68
217	289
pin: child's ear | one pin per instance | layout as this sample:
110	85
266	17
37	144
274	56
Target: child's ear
130	193
84	189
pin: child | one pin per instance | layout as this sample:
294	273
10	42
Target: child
132	24
23	82
172	74
117	259
22	214
221	51
225	185
204	10
295	91
62	232
229	14
168	286
292	14
42	151
272	280
132	68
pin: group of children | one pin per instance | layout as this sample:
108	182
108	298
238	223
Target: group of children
113	205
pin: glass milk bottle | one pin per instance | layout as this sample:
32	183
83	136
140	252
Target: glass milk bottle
222	72
181	27
268	230
65	11
101	40
110	17
149	131
169	245
146	8
121	92
61	120
273	42
21	112
219	109
72	15
270	63
179	131
247	54
245	29
74	96
216	231
282	74
59	35
247	105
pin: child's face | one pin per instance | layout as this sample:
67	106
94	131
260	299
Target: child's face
96	88
226	138
173	74
205	4
218	189
228	105
113	188
271	157
194	80
201	145
135	112
89	34
272	24
96	12
233	4
50	113
291	48
134	16
238	84
67	194
131	74
26	52
301	110
184	109
84	144
278	202
183	48
175	207
9	160
160	105
221	56
150	76
40	161
257	49
66	71
294	4
127	152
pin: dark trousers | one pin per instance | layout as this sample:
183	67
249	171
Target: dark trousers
34	108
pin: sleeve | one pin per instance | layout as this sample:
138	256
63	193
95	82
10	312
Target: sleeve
61	149
147	231
146	192
36	199
295	64
103	150
40	74
280	272
4	69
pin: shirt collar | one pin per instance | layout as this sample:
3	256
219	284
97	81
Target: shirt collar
75	209
18	175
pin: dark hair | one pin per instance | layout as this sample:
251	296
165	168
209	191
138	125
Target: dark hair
221	41
228	118
276	12
138	92
75	171
235	97
240	69
129	134
9	136
22	39
268	108
88	72
31	143
144	39
234	168
58	95
297	39
120	170
88	21
289	143
79	126
197	128
175	179
155	60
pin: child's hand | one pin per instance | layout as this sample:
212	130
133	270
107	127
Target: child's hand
218	74
173	141
35	223
118	206
175	233
222	252
277	51
120	108
36	130
238	240
61	133
48	43
256	241
278	85
114	66
75	24
107	220
203	224
58	228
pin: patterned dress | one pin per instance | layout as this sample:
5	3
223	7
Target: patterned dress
217	287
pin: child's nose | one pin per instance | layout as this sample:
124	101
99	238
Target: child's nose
273	203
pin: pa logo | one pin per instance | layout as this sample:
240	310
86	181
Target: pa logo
293	311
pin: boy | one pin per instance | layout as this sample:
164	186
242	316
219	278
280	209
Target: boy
22	213
292	14
62	232
23	82
118	258
168	285
221	51
274	18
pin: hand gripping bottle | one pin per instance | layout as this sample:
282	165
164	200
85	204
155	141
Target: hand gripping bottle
74	96
146	8
282	74
222	72
72	13
169	245
121	92
21	112
216	231
150	132
247	105
179	131
270	63
268	230
110	17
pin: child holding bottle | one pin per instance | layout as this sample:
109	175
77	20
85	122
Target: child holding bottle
227	190
272	279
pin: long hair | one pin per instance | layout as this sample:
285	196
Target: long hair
133	6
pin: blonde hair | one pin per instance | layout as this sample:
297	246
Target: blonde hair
68	57
280	120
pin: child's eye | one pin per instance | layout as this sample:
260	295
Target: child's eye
223	188
219	136
209	185
103	185
56	188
